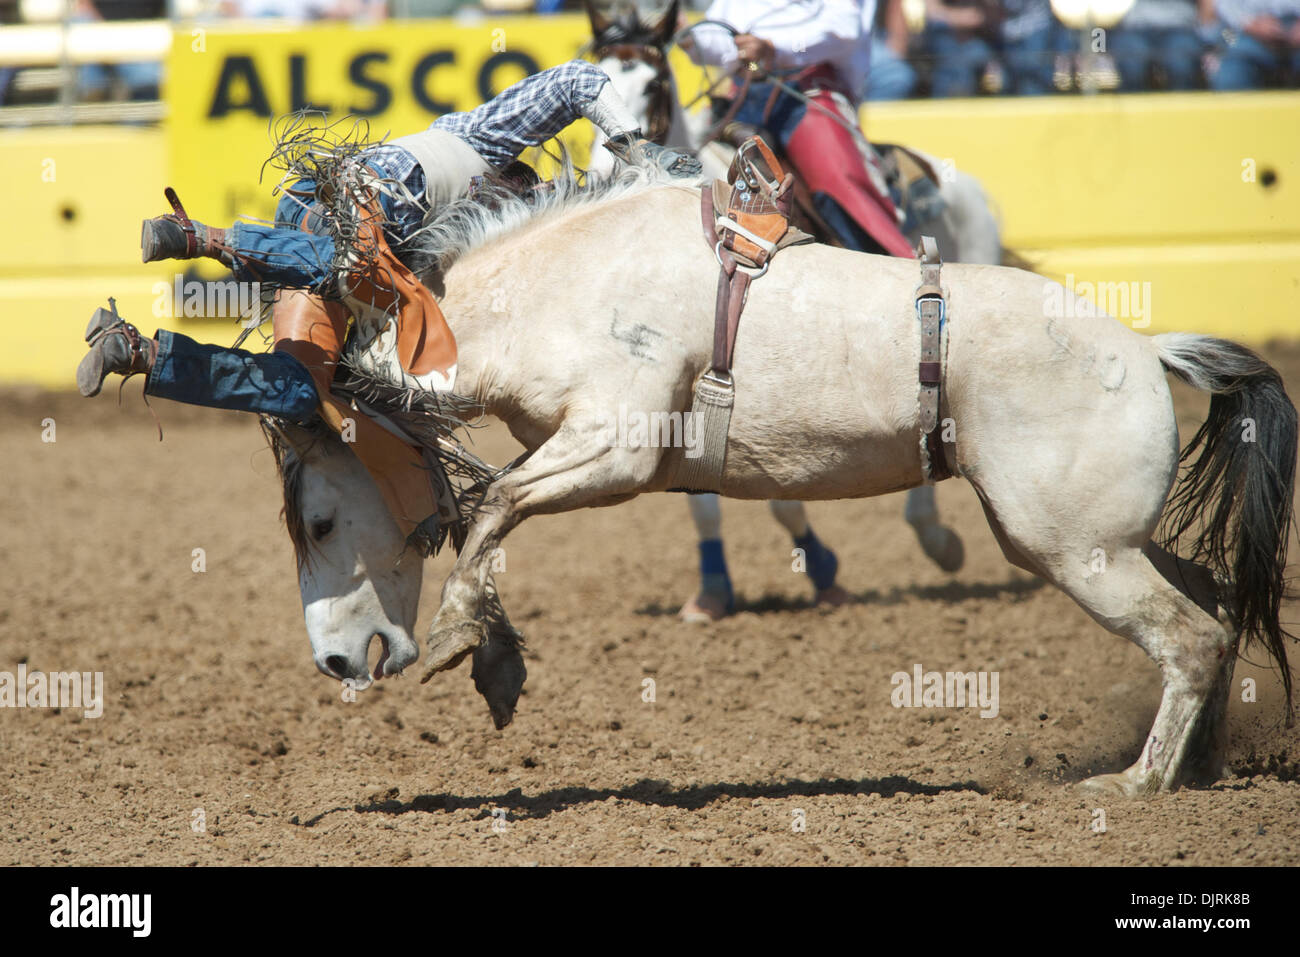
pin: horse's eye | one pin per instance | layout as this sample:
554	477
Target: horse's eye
322	528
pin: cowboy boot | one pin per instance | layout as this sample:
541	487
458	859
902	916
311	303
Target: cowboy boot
170	237
115	346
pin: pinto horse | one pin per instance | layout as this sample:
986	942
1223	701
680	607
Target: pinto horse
1064	427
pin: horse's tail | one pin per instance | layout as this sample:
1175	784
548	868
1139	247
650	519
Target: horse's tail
1240	486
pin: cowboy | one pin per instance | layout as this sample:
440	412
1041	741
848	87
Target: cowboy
823	49
433	167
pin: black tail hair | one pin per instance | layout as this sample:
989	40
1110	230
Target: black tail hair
1238	483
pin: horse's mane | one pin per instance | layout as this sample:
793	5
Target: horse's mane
494	212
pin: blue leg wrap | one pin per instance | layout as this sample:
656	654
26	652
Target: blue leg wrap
822	565
714	579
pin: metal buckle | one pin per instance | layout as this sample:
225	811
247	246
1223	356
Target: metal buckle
723	380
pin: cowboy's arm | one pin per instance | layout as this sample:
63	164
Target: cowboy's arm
831	35
826	36
538	107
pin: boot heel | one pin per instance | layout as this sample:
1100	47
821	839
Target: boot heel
99	322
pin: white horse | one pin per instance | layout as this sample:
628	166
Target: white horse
966	230
575	308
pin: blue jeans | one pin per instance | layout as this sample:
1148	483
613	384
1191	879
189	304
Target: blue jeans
274	383
1177	52
891	77
1249	64
286	254
959	59
1030	62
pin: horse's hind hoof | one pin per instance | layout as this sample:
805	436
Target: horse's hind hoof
450	643
943	547
1112	786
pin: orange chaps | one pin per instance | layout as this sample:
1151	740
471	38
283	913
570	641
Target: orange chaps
829	162
313	331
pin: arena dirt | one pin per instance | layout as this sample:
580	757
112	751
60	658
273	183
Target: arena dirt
220	743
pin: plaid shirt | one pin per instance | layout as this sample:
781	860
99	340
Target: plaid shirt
528	113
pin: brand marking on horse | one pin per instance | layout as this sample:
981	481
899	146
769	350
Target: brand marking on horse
638	337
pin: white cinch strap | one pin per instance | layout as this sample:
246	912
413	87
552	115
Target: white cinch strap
735	227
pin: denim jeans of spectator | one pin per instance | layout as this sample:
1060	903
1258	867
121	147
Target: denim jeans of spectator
1250	64
959	60
891	77
1030	62
1136	50
141	80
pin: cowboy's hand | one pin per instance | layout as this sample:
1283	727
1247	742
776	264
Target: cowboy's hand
631	146
754	49
674	162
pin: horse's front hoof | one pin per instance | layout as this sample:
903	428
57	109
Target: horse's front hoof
499	674
450	643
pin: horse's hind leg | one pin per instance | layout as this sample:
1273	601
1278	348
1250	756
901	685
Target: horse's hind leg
1126	593
1194	650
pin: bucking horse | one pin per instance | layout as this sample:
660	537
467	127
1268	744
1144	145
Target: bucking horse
569	304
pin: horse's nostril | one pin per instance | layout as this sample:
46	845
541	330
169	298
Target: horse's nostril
337	665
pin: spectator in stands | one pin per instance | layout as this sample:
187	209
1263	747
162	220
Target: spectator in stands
1160	34
959	36
1263	46
1029	38
891	77
304	10
136	81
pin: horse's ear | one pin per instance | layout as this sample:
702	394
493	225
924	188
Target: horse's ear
600	22
666	28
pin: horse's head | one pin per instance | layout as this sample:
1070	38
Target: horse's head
357	578
647	24
632	52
